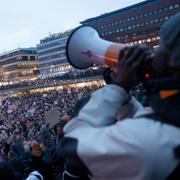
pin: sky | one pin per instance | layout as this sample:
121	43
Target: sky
24	22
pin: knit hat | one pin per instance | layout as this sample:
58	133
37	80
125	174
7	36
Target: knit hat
170	39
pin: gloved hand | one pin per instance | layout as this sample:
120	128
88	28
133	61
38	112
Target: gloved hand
130	66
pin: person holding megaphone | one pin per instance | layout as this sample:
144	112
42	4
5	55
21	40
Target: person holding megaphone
144	143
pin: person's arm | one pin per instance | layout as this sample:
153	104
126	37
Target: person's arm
104	106
95	137
105	152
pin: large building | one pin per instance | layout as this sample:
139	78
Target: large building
18	64
136	24
51	54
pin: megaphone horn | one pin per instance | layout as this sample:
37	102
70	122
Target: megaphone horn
85	49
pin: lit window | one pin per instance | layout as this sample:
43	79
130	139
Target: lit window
148	40
145	14
155	12
165	9
171	7
166	18
150	13
176	5
160	10
156	46
140	41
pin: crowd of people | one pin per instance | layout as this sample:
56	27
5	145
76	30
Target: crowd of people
55	80
101	133
22	127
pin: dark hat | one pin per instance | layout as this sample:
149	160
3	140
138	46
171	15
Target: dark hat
6	171
170	39
62	122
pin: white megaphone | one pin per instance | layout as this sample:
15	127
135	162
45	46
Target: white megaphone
85	48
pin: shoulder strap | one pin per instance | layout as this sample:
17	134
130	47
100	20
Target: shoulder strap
160	118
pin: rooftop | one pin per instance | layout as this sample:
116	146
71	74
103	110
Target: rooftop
123	10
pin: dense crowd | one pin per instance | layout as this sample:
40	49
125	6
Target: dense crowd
54	80
22	124
110	135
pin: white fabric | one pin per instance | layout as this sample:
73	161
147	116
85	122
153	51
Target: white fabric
32	176
131	149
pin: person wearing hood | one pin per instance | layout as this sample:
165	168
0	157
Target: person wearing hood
144	143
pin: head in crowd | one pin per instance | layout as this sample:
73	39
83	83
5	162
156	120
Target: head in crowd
35	175
6	171
36	149
58	128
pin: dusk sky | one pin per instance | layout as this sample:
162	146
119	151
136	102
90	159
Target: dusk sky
24	23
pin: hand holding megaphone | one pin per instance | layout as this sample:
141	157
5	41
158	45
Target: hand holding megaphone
132	66
85	49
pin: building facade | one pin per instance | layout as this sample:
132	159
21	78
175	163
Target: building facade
52	55
18	64
136	24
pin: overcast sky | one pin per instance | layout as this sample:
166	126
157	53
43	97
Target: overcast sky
24	22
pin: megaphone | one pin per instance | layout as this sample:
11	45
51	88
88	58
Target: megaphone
85	49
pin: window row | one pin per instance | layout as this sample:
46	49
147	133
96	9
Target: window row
157	38
171	7
55	37
52	51
55	56
138	25
49	45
